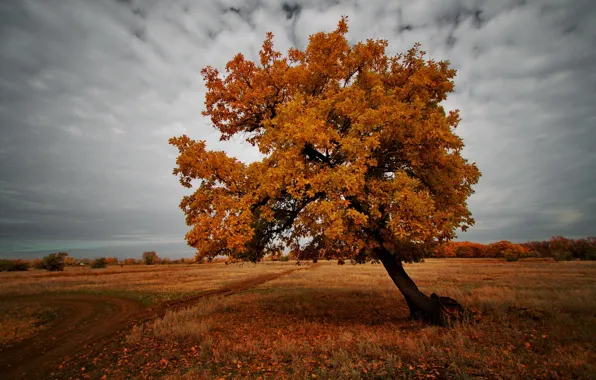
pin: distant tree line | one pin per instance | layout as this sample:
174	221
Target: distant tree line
558	247
57	261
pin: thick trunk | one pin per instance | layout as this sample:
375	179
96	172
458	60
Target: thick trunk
434	309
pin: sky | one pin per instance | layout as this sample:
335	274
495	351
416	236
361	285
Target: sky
91	90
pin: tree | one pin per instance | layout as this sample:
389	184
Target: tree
359	159
150	258
99	263
70	261
111	261
53	262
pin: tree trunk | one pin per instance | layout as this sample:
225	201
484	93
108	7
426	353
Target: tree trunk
434	309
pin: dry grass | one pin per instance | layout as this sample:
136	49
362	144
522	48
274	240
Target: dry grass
538	321
148	284
19	321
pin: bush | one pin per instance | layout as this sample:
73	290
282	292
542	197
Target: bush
112	261
284	258
584	250
99	263
53	262
591	254
510	255
562	256
13	266
150	258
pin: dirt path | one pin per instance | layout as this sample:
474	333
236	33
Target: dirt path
86	323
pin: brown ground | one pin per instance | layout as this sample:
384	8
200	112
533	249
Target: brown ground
537	321
86	323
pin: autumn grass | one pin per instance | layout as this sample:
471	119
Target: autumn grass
537	319
20	321
144	283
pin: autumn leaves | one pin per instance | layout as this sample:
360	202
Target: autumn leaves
358	153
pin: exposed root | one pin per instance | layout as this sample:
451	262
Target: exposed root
445	311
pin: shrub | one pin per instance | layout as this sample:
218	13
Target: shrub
150	257
53	262
71	261
284	258
112	261
590	254
99	263
510	255
13	265
583	249
561	255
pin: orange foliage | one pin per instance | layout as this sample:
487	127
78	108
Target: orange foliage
69	260
111	260
359	154
466	249
583	249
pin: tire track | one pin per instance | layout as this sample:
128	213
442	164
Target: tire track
87	322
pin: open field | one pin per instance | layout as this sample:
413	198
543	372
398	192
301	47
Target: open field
48	316
537	319
148	284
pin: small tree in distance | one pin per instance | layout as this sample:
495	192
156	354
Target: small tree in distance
99	263
150	258
360	160
53	262
111	261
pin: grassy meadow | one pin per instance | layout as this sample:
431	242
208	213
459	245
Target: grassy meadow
148	284
535	319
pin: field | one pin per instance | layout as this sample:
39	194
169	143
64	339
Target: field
535	319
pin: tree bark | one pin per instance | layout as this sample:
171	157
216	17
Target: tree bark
436	310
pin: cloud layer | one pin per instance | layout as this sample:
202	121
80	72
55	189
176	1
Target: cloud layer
92	89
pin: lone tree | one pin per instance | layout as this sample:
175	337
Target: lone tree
150	258
54	262
99	263
360	160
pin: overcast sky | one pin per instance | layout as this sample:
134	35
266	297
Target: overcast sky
91	90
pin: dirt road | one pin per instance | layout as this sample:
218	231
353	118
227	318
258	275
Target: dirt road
87	322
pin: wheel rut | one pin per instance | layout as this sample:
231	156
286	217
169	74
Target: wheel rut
87	323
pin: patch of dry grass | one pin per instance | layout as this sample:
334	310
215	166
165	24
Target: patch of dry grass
149	284
538	321
20	321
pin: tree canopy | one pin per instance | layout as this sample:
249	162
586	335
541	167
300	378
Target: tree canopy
358	154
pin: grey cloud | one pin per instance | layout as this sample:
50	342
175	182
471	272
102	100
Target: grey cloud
92	89
291	9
